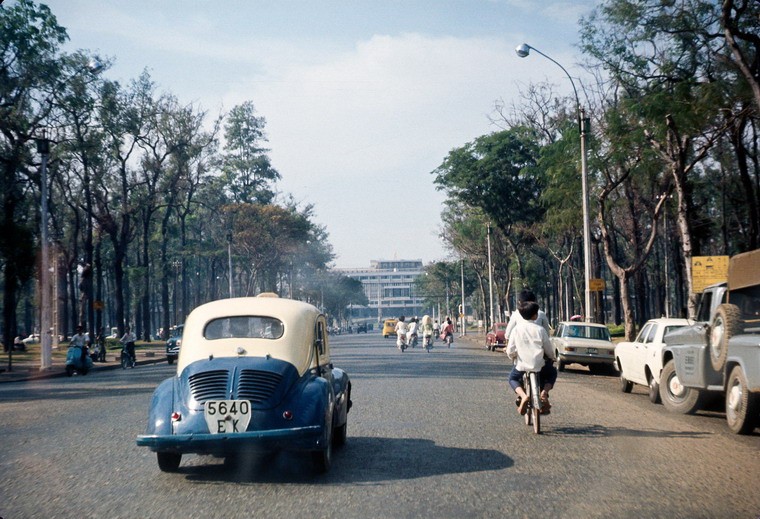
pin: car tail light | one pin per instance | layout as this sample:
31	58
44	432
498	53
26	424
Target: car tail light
569	349
288	415
176	416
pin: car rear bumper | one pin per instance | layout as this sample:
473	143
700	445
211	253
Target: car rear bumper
587	358
298	438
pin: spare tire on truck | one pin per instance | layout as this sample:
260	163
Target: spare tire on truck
725	324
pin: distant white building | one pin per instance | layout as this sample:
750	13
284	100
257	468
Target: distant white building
389	287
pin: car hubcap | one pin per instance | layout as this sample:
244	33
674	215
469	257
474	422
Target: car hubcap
675	387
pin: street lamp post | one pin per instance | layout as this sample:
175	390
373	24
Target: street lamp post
490	274
523	50
46	358
229	259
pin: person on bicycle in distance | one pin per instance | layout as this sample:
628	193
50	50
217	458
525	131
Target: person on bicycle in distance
128	340
530	347
401	329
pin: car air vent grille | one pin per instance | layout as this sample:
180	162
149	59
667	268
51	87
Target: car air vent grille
257	386
209	385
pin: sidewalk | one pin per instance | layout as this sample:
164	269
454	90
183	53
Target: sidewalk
26	365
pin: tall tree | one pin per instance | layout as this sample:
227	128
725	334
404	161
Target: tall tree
30	39
248	171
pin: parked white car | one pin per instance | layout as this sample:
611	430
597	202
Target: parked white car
588	344
642	361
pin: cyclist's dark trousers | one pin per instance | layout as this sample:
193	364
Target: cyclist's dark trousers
548	375
131	350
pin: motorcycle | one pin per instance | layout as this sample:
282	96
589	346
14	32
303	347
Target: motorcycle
411	340
76	362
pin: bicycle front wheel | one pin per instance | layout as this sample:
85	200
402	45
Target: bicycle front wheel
124	360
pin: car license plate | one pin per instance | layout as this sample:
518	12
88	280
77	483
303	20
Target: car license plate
227	416
592	351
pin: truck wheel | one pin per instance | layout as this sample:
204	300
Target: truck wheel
676	397
725	324
742	406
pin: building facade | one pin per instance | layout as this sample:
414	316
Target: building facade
390	289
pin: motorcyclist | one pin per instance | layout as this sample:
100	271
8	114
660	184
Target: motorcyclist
80	340
401	329
427	330
411	334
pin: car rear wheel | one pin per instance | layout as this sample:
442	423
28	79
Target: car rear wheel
675	396
340	435
560	364
654	391
626	386
168	461
170	360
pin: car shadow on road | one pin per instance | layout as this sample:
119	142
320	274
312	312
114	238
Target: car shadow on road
362	461
597	430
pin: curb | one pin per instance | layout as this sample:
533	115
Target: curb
25	375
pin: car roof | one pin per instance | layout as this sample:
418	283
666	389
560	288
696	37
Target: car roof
670	321
294	346
583	323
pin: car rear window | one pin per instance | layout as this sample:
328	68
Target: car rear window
243	327
587	332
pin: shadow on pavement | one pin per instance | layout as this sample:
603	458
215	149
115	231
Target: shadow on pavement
363	461
606	432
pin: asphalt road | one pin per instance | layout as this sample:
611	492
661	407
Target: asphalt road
430	435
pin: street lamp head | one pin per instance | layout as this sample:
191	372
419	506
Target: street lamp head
95	66
523	50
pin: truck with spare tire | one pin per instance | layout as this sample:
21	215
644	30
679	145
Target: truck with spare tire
719	355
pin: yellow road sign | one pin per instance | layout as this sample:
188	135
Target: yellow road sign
708	270
596	285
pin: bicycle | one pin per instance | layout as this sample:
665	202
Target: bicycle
127	359
532	387
427	342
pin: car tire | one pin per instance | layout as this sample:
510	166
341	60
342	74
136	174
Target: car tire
654	391
676	397
725	324
168	461
170	360
340	435
322	459
560	364
69	371
626	386
742	406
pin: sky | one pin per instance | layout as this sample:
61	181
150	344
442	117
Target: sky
363	99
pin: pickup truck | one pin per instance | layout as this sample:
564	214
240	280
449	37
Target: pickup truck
720	352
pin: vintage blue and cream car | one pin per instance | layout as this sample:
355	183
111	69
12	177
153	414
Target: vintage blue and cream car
254	374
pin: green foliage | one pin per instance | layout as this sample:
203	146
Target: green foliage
496	173
248	171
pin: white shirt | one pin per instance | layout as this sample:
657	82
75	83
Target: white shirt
128	337
401	328
529	343
515	318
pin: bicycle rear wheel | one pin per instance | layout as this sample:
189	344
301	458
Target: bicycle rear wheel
535	402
